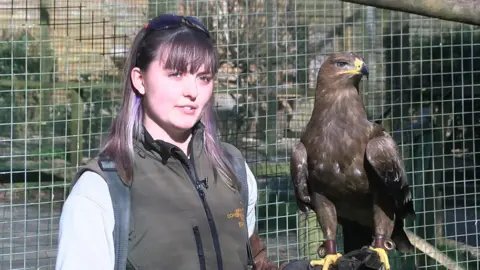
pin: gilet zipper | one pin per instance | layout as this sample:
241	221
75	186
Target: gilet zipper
198	242
198	187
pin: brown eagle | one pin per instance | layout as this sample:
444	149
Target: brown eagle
346	167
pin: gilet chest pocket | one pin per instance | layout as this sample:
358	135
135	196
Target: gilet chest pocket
198	242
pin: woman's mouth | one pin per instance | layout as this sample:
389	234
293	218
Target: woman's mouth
188	109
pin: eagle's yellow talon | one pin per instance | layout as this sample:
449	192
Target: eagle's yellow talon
327	261
383	257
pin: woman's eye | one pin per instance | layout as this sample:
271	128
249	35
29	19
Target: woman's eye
174	74
206	78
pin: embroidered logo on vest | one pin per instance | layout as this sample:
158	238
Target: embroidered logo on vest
238	213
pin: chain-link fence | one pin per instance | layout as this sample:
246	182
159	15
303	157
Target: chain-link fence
60	62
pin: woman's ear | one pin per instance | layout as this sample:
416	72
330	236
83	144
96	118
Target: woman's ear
138	80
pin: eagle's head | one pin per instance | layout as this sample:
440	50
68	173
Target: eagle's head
344	67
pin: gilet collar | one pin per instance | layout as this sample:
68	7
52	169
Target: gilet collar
165	149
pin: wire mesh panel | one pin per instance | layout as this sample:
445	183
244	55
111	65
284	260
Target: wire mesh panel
60	62
60	67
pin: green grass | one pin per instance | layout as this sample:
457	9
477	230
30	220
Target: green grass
269	169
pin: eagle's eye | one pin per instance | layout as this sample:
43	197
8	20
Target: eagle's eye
341	64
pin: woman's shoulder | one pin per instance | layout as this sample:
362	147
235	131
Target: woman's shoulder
92	187
232	149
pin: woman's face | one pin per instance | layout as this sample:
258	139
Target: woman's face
172	100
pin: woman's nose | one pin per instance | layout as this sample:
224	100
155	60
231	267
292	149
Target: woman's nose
190	87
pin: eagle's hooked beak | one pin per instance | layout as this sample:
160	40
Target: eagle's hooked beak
360	67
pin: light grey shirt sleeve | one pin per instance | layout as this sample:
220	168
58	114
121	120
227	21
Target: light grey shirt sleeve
85	239
86	226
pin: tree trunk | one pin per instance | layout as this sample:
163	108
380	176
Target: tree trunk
463	11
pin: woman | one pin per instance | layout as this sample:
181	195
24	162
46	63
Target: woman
165	144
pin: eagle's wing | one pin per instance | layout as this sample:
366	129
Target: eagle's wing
299	172
383	156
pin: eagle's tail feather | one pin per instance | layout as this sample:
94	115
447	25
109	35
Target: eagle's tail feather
400	238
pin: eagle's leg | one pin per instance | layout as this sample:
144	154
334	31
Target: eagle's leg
383	218
327	218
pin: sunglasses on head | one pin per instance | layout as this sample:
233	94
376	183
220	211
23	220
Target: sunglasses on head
167	21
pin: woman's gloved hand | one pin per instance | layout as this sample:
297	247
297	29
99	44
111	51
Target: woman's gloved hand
361	259
259	254
298	265
261	261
